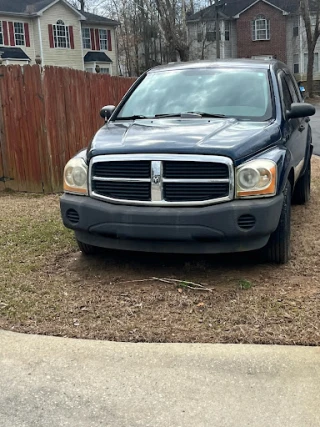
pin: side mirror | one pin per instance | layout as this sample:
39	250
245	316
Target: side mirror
107	111
299	110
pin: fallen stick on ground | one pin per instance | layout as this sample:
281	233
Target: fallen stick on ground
182	283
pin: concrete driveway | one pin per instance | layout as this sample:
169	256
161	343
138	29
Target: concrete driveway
315	125
55	382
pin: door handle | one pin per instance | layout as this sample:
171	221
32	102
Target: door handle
301	128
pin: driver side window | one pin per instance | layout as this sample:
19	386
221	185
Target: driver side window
292	88
286	97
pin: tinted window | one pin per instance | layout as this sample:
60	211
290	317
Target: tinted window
286	95
293	89
239	93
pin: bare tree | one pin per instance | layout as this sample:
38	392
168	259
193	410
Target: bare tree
173	26
151	31
84	5
313	33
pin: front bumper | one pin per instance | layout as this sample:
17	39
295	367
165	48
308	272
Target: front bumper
209	229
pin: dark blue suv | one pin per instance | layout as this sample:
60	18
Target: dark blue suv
201	157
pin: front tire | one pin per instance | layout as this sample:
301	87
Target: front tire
301	193
87	249
278	249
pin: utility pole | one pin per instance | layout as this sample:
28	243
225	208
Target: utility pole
216	10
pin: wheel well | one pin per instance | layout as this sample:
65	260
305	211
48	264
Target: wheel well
291	178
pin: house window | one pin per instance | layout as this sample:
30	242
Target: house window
199	37
19	34
104	70
260	28
61	35
1	34
296	66
86	38
211	36
227	30
315	63
210	31
296	26
103	37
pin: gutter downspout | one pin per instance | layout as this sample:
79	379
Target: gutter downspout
41	46
82	53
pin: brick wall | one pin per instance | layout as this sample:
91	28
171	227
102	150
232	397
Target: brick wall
275	46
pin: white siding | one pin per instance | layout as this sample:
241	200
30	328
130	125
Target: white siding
304	54
15	62
28	50
297	49
293	44
72	58
111	54
207	49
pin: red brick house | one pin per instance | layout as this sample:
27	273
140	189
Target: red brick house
250	29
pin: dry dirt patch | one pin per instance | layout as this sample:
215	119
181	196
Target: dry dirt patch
48	287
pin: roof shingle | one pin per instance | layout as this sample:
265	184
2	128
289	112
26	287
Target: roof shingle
97	57
234	7
23	6
13	53
97	19
31	7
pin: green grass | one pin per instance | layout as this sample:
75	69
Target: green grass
245	284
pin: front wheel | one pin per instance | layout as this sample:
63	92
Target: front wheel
278	248
87	249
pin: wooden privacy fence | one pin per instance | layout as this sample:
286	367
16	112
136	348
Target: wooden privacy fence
46	116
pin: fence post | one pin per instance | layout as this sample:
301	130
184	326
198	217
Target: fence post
3	160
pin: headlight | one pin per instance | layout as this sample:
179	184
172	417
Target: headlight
256	178
75	177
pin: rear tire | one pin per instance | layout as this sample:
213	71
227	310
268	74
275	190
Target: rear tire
87	249
278	248
301	193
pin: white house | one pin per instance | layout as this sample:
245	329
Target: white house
57	34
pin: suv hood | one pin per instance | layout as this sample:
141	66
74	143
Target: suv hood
235	139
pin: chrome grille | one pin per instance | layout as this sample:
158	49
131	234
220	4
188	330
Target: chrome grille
161	179
177	192
123	190
205	170
125	169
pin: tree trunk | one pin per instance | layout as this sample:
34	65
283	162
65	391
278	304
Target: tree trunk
217	30
312	33
310	71
203	47
184	54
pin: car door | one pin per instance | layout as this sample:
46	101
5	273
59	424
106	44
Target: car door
295	131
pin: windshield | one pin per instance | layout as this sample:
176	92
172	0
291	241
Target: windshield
235	92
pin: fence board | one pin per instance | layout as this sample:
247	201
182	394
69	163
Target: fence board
3	170
11	128
46	116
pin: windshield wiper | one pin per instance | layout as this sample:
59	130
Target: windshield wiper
203	114
190	114
183	115
169	115
134	117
